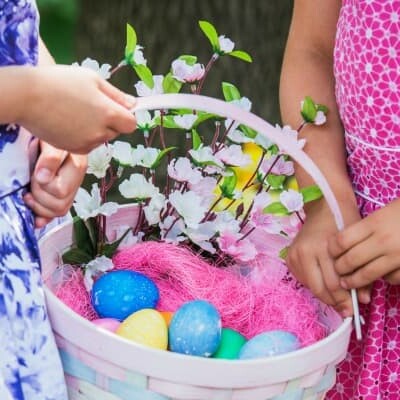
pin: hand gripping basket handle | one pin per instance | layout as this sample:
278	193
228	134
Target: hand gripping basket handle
285	143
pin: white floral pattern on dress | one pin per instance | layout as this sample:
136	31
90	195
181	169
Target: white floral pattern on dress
30	368
367	70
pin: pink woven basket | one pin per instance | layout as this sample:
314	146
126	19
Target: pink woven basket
102	366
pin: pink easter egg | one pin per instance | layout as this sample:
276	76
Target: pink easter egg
109	324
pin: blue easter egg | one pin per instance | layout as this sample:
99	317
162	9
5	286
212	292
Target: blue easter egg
195	329
118	294
268	344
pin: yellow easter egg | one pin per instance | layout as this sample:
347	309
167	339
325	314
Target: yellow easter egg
147	327
245	173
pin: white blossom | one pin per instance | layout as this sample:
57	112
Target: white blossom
204	154
320	118
171	229
181	170
237	136
89	205
293	134
189	206
123	153
185	121
99	160
137	187
103	70
138	57
95	268
144	120
226	221
153	209
244	103
292	200
145	156
143	90
233	155
184	72
202	235
225	44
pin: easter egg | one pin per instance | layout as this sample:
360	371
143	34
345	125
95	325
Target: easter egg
195	329
146	327
118	294
167	315
269	344
109	324
231	343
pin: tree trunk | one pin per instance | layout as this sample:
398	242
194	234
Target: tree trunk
170	28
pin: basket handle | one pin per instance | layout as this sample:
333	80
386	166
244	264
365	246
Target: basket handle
285	143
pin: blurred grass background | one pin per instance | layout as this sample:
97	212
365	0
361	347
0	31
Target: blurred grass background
76	29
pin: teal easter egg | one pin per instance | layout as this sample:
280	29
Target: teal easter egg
231	343
118	294
195	329
268	344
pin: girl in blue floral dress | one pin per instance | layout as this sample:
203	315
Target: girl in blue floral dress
72	109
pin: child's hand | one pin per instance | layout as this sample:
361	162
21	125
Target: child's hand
309	260
369	249
74	109
54	182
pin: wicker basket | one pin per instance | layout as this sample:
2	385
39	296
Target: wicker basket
99	365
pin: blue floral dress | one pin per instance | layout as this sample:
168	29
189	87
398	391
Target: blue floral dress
30	368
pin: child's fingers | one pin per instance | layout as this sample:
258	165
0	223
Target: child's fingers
364	294
349	237
117	95
341	297
306	269
48	163
394	277
40	222
369	273
45	205
118	118
358	255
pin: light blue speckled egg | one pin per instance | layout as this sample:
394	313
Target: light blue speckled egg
118	294
268	344
195	329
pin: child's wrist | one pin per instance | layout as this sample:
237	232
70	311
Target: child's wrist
27	86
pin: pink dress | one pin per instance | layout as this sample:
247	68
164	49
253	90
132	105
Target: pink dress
367	70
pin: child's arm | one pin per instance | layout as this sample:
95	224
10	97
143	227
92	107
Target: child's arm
370	249
308	70
57	174
71	108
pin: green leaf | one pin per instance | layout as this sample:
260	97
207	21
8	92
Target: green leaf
250	133
242	55
309	110
110	248
311	193
84	240
144	73
276	208
131	41
76	256
324	109
229	184
211	33
196	140
170	84
231	92
276	181
283	253
161	156
189	59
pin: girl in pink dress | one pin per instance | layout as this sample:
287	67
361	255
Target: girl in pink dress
346	54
